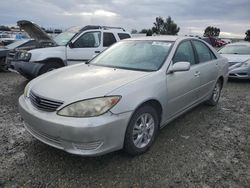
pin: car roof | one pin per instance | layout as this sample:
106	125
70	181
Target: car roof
162	38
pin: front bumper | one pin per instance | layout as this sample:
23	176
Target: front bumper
27	69
240	73
82	136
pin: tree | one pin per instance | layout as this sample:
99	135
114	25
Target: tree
4	28
134	31
167	27
149	32
211	32
144	31
247	38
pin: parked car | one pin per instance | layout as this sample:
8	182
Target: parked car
122	97
11	49
238	55
73	46
6	39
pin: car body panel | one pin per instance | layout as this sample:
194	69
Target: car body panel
34	31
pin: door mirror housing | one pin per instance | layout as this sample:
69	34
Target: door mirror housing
180	66
71	45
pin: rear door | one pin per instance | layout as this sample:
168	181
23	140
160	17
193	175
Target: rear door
208	68
84	47
182	87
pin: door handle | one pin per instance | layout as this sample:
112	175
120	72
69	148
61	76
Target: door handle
197	74
97	52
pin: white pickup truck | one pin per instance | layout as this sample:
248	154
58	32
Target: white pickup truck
75	45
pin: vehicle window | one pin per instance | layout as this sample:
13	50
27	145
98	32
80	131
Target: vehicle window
184	53
108	39
88	40
135	55
235	49
203	52
123	35
30	43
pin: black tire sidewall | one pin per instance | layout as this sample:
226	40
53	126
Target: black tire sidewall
211	101
47	66
128	143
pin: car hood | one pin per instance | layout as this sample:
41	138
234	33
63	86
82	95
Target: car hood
35	32
236	58
83	81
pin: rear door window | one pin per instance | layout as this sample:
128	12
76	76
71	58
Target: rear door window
108	39
203	52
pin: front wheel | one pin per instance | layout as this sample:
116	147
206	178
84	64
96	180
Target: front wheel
216	94
141	131
47	67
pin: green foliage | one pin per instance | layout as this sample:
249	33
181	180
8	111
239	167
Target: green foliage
4	28
165	27
247	38
211	32
134	31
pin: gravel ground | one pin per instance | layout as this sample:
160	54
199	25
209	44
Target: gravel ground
207	147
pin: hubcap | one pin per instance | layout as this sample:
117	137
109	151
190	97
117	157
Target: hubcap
216	92
143	130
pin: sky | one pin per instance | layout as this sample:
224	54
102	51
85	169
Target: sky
192	16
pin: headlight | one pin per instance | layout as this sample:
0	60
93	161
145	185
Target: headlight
247	63
23	56
26	89
89	107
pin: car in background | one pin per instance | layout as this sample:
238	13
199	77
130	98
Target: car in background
75	45
122	97
25	44
238	55
6	39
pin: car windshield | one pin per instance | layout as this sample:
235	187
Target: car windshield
235	49
63	38
135	55
16	44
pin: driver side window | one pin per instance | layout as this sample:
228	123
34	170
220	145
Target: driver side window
184	52
88	40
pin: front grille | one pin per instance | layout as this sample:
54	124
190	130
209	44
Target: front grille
44	104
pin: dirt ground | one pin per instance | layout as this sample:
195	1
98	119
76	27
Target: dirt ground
207	147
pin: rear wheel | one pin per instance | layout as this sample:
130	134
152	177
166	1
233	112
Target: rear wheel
142	130
216	94
49	67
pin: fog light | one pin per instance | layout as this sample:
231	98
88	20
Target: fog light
88	145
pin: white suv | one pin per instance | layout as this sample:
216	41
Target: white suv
76	45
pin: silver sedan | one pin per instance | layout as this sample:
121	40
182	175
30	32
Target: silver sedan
238	55
121	98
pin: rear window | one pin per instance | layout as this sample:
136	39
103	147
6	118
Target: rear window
123	35
235	49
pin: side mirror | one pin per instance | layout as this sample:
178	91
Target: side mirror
180	66
71	45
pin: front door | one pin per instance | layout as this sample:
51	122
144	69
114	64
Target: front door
84	48
182	87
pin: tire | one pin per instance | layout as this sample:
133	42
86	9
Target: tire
3	66
213	101
139	137
49	66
